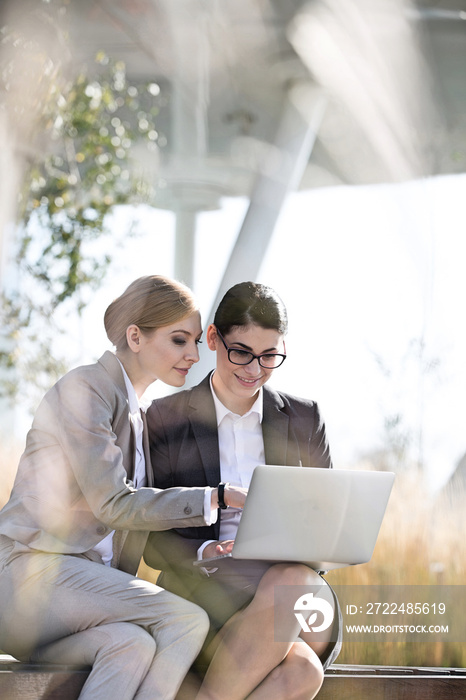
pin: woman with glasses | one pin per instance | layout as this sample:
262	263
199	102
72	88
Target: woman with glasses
216	434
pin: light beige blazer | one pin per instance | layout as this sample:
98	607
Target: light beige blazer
73	483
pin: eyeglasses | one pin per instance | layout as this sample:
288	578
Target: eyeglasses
268	360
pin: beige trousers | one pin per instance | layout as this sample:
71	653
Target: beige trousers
139	639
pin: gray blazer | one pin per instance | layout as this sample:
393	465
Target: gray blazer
184	450
73	484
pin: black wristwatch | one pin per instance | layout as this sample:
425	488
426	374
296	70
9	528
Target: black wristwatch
221	495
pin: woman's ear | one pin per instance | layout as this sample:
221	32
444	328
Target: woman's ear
211	337
133	338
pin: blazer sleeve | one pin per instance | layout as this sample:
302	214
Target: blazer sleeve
85	415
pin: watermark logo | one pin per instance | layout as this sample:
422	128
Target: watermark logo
309	606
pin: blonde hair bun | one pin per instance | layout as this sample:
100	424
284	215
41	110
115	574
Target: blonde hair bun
149	302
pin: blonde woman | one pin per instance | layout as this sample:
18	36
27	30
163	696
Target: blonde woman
83	501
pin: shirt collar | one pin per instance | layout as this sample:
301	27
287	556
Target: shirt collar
135	403
222	411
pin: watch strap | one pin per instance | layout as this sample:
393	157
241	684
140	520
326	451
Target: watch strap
221	495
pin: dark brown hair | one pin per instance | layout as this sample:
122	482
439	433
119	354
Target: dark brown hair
249	302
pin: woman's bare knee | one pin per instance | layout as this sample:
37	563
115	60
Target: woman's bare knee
289	574
300	675
308	670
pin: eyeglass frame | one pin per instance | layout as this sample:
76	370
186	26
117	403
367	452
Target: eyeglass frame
254	357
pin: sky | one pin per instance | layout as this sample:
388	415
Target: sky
373	281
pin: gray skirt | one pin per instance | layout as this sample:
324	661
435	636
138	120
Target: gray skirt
233	586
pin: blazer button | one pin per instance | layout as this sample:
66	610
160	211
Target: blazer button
188	510
101	530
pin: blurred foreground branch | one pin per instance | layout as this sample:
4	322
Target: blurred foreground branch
76	168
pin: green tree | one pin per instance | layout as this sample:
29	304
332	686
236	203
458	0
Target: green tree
86	127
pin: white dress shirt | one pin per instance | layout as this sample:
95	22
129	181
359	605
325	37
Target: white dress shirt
241	447
136	405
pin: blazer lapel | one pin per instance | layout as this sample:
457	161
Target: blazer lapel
134	542
203	419
146	450
280	443
125	429
274	428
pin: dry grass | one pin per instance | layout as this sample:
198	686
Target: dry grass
421	543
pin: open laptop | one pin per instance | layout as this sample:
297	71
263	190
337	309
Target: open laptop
325	518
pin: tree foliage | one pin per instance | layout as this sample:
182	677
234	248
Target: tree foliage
86	173
80	169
